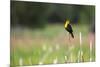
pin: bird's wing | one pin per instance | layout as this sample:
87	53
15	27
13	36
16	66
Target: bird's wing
69	28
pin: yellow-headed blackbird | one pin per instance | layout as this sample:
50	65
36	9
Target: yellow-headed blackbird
69	28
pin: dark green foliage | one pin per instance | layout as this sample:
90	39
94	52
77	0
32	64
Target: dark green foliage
37	14
28	13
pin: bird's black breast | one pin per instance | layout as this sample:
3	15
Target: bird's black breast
69	28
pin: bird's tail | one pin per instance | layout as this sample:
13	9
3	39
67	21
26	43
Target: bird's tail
72	35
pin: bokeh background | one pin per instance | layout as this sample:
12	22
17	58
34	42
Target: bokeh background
38	36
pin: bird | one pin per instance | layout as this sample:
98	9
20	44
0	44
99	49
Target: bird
68	28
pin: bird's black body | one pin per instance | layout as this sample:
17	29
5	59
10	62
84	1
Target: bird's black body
69	29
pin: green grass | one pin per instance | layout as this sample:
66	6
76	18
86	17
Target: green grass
28	44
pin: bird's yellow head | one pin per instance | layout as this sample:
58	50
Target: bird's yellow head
67	22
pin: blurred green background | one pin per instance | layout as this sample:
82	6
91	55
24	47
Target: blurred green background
38	36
